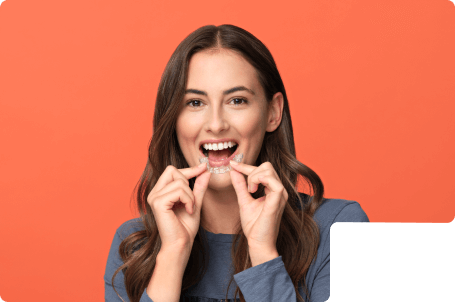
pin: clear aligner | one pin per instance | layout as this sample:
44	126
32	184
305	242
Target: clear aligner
223	169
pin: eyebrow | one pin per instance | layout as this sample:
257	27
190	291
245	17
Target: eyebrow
226	92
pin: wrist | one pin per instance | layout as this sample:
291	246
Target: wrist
174	254
259	256
166	281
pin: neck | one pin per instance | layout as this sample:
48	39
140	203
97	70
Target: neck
220	211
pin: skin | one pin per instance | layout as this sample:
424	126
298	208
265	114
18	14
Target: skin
218	116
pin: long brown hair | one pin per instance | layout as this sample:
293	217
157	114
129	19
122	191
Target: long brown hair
298	237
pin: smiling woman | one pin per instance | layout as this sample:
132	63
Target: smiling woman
221	102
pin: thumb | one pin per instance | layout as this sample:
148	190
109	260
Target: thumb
240	187
200	186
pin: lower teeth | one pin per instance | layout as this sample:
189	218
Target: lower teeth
222	169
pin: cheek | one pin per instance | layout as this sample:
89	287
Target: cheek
250	125
187	129
181	130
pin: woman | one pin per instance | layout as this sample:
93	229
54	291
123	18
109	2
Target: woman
221	102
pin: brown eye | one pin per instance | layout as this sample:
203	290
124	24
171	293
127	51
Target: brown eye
240	101
196	103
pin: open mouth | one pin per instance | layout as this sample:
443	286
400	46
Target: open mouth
218	158
218	153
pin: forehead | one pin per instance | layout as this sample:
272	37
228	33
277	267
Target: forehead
214	71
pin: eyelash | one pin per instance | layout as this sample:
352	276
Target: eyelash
191	101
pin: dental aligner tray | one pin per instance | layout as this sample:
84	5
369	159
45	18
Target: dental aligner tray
223	169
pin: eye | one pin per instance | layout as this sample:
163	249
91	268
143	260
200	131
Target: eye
196	103
239	99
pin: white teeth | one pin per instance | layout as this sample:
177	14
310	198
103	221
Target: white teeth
219	146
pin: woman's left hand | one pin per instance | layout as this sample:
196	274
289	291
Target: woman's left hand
260	218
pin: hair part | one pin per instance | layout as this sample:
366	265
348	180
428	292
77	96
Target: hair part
298	237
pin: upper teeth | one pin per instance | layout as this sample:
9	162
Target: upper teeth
219	146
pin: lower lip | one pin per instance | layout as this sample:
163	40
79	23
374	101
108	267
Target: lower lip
224	162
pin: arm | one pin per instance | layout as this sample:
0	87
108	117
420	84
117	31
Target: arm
166	281
168	266
269	281
258	257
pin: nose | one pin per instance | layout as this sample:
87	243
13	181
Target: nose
216	121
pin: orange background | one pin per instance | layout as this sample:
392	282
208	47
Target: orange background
371	91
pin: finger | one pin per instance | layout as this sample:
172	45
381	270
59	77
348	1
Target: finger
253	178
274	185
265	168
193	171
239	184
171	173
173	197
200	187
242	168
176	184
275	198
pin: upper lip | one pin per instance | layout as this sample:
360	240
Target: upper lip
222	140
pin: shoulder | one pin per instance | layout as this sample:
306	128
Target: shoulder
114	261
129	227
334	210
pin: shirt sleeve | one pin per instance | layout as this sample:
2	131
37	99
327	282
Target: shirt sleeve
320	291
114	261
270	281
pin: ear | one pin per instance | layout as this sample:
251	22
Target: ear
275	112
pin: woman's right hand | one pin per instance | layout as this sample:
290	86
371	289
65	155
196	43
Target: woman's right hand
172	204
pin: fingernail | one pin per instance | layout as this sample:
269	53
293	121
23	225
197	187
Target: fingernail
201	165
233	163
